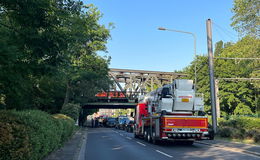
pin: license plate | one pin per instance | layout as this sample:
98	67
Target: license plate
188	130
185	100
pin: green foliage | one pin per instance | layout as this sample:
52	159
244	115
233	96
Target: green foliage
225	131
31	134
46	46
238	133
71	110
236	97
241	122
246	17
251	133
14	138
257	137
240	128
242	109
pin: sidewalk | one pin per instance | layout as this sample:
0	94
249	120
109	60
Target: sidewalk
249	148
71	149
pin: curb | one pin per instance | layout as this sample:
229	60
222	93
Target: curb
80	154
242	150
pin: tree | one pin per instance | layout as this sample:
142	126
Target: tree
246	19
46	45
87	73
236	97
218	48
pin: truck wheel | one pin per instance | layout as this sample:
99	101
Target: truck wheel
149	139
135	135
154	140
145	135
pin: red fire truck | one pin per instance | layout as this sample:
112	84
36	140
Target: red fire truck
173	112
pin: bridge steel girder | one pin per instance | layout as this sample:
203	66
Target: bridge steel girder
109	105
136	82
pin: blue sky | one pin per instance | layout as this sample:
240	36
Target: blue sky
137	44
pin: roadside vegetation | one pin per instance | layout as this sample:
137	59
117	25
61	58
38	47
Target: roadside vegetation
245	129
48	66
48	54
32	134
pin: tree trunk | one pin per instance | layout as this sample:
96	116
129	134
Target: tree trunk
67	96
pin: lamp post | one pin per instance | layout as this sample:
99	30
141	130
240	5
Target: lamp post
195	54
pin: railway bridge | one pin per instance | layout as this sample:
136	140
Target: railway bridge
128	84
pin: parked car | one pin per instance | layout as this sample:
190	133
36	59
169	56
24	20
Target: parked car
121	123
129	126
111	122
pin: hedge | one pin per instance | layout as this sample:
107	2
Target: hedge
71	110
32	134
240	128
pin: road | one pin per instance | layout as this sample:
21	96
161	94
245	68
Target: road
112	144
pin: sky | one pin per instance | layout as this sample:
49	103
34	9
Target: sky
136	43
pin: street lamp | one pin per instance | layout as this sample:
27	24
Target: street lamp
194	37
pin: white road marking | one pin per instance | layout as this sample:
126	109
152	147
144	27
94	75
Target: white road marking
140	143
128	138
121	134
164	153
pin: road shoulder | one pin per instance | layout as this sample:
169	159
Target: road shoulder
246	148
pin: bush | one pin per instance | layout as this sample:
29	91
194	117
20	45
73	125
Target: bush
66	126
238	133
225	131
71	110
241	122
257	137
31	134
240	128
14	138
251	133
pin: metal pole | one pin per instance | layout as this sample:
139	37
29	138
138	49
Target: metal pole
195	53
211	75
195	69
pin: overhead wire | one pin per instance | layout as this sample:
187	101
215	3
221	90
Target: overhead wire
226	31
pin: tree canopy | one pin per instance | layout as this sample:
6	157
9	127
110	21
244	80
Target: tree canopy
236	97
48	53
246	19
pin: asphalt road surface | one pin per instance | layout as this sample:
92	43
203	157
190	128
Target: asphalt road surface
112	144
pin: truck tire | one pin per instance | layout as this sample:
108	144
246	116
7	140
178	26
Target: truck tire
135	135
154	140
145	135
149	137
